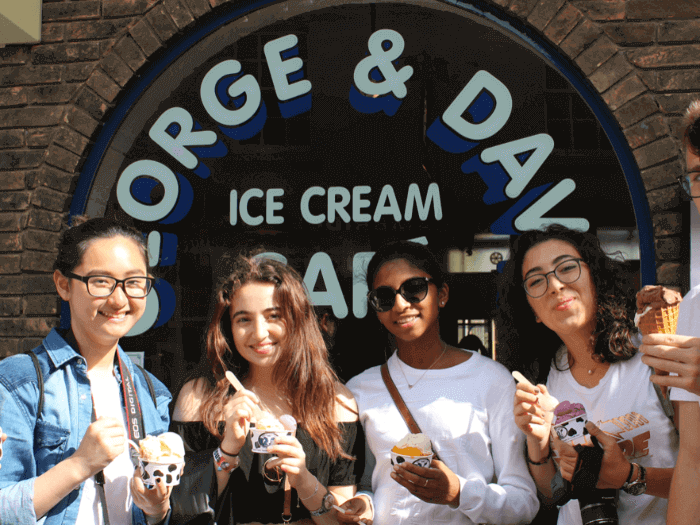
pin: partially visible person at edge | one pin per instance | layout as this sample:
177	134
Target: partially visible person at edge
565	320
680	355
459	399
265	331
50	459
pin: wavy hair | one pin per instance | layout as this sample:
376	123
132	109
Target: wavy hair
531	347
302	371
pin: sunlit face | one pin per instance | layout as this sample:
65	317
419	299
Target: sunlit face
565	308
409	321
102	321
692	164
259	331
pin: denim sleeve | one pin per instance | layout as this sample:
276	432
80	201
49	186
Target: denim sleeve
17	466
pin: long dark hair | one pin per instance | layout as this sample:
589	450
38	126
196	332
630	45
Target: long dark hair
302	372
416	254
531	347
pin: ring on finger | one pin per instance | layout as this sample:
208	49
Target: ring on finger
426	482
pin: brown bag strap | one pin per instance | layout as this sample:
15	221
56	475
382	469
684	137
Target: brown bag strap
400	404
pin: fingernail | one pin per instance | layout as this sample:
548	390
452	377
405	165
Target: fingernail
396	468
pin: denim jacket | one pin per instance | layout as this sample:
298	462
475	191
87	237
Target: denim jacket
34	445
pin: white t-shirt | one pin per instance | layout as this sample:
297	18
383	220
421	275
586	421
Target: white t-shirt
688	324
625	405
118	474
467	411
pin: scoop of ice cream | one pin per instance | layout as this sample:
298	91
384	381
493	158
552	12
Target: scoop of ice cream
414	445
165	448
566	410
268	422
651	297
288	422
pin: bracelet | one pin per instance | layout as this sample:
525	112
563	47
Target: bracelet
227	453
629	477
540	462
222	464
312	495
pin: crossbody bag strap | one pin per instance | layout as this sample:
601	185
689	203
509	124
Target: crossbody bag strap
400	404
39	382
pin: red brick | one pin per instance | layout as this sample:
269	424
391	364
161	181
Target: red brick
10	264
103	85
80	121
12	180
92	103
12	285
563	23
62	158
39	137
8	347
13	160
667	224
97	29
37	326
40	240
10	242
114	8
635	110
145	37
50	177
680	31
71	140
649	78
161	22
602	10
29	117
30	343
669	56
51	94
130	53
14	54
676	102
52	33
27	75
597	54
106	46
522	8
671	273
78	72
179	13
656	153
10	306
610	72
668	249
44	220
646	131
646	9
15	96
14	200
41	305
198	7
50	200
116	68
38	284
36	262
544	12
71	10
11	138
627	33
64	53
581	37
623	91
502	3
681	80
12	222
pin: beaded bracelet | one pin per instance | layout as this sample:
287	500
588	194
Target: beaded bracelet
222	464
540	462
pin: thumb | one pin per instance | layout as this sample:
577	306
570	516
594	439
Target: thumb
604	439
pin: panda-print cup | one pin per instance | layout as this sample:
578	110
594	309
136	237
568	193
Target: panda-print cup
262	439
419	461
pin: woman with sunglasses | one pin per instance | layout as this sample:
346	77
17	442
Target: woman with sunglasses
459	399
68	436
566	319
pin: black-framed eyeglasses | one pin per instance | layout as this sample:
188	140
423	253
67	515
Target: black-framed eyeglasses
103	285
684	181
414	290
566	271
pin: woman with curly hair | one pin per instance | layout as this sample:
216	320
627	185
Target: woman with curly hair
566	320
265	331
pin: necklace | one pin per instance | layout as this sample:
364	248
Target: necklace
444	349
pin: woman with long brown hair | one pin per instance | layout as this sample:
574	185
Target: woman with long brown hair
265	331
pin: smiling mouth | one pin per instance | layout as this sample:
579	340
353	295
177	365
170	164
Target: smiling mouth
114	317
406	320
563	305
264	348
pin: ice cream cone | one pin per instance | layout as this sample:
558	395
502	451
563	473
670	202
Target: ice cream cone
659	321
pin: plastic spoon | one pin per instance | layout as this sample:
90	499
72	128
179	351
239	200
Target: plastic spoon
240	388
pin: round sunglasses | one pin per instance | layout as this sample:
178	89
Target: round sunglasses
414	290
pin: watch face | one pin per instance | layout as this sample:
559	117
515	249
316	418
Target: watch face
637	489
328	500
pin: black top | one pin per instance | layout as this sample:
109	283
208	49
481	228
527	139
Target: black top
251	496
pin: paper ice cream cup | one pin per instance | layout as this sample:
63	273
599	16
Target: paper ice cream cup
419	461
167	470
264	438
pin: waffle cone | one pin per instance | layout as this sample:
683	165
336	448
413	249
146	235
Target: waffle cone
659	321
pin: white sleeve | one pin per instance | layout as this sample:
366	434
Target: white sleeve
688	324
512	498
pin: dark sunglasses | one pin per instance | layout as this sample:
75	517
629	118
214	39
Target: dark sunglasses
414	290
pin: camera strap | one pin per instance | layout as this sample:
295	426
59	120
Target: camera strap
588	466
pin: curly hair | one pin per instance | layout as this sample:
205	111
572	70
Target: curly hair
302	372
531	347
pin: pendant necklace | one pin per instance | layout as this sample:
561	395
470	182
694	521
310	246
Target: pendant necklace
444	349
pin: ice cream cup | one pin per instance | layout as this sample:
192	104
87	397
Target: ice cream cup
152	472
419	461
264	438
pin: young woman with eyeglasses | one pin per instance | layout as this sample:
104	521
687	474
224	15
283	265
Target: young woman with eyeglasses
70	434
460	400
566	319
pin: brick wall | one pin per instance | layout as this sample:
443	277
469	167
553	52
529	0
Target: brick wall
642	56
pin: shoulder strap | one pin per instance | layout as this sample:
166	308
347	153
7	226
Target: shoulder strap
151	390
665	402
400	404
39	381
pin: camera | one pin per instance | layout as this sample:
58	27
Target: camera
598	507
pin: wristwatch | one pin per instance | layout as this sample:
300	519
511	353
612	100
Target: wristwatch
326	505
639	485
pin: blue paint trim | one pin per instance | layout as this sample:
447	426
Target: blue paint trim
477	7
